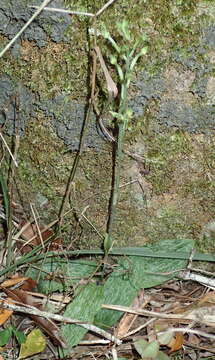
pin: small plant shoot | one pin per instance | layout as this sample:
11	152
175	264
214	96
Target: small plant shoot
124	58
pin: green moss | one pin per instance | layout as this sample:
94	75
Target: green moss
163	153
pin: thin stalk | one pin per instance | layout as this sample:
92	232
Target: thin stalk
10	213
81	143
11	175
117	171
74	167
122	125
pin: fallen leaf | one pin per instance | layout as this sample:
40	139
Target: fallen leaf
29	284
193	339
176	342
128	319
208	299
47	325
13	281
4	313
29	232
34	344
26	283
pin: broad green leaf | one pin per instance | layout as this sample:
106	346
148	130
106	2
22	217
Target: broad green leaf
151	350
140	346
65	274
35	343
165	338
162	356
145	251
84	307
20	337
136	272
5	336
131	274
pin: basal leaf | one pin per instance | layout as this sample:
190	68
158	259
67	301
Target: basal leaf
140	346
83	307
151	350
62	274
136	272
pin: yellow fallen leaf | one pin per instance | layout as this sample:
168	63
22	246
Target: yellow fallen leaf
176	342
13	281
5	314
34	344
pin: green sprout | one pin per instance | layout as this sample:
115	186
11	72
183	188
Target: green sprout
124	59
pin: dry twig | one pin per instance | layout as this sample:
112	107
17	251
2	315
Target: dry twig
33	311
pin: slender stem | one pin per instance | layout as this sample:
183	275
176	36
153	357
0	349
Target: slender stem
81	143
74	167
116	174
11	176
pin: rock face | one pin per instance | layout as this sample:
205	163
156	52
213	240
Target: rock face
49	25
17	106
44	91
183	89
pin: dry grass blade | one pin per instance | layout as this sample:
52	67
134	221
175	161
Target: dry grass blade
8	149
104	7
99	12
192	331
196	315
206	281
64	11
128	320
37	225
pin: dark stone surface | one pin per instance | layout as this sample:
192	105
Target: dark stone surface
146	88
209	37
151	87
68	119
192	118
15	13
174	113
67	116
17	105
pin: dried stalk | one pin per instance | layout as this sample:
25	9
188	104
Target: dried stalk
33	311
